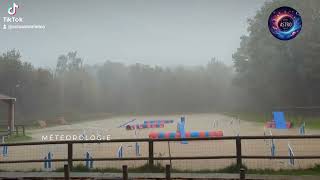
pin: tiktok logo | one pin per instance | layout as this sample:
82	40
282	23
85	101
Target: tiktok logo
12	10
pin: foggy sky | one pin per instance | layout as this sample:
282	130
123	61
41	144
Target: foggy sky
155	32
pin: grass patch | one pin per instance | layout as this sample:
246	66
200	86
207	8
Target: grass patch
315	170
229	169
145	168
233	168
312	121
158	168
310	171
83	168
18	138
251	116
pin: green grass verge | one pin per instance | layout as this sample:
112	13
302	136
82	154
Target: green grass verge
83	168
160	169
312	122
310	171
18	138
229	169
144	168
250	116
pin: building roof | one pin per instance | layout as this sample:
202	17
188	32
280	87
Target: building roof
4	97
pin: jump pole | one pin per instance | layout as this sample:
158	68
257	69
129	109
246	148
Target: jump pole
120	151
291	154
302	129
89	161
48	161
4	151
272	146
137	148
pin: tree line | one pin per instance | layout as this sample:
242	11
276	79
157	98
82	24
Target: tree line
281	73
73	87
266	73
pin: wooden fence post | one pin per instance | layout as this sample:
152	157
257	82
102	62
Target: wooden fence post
70	155
66	172
238	151
125	172
242	174
168	172
151	160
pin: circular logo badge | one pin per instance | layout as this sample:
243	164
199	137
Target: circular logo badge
285	23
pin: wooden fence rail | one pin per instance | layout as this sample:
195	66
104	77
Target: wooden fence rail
150	158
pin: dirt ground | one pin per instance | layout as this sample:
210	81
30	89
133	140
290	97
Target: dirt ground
194	122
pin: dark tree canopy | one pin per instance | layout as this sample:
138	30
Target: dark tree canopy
112	87
281	73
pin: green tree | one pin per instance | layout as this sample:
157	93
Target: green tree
281	73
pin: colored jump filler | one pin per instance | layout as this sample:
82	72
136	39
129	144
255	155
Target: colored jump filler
5	151
291	154
48	161
302	129
279	121
148	124
88	160
181	133
159	122
120	152
144	126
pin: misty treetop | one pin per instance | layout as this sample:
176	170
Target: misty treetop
281	73
112	87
